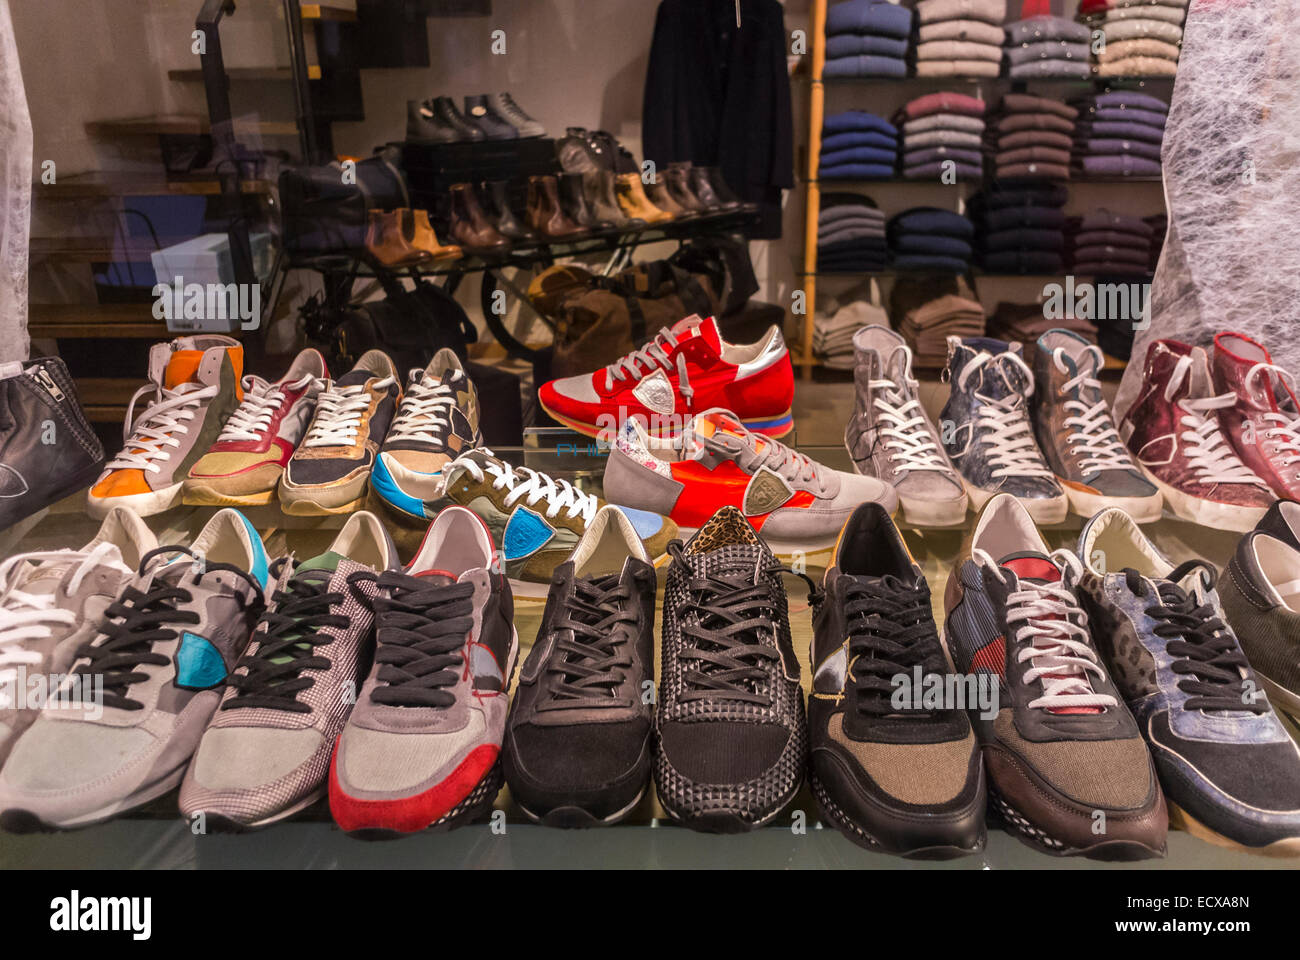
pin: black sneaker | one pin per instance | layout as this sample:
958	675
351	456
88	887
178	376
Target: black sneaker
907	781
578	746
732	741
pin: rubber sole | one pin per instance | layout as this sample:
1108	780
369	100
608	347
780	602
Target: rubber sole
21	820
476	803
1042	510
832	813
1141	509
1207	513
775	428
1182	820
576	818
311	508
196	495
1107	850
143	504
1281	698
217	823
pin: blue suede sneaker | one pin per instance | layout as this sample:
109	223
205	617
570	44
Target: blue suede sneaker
1230	770
986	430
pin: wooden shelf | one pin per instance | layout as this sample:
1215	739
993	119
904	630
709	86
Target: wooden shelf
323	11
98	249
105	399
84	321
174	124
246	74
100	185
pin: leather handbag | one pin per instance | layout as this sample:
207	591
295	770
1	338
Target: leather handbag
323	215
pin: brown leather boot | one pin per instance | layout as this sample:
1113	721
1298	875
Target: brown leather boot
599	187
545	215
633	201
678	180
573	199
656	192
469	226
425	239
388	239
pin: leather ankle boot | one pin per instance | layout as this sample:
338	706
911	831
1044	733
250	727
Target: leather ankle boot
545	215
469	227
708	196
633	201
574	202
657	192
677	180
424	238
599	187
496	204
389	242
723	191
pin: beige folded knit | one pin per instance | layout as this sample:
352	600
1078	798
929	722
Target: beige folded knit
958	50
990	11
958	68
1028	103
1146	11
1138	48
1138	67
1137	29
975	30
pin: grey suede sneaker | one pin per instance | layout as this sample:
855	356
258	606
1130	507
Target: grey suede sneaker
986	430
293	689
51	604
1077	434
142	691
890	437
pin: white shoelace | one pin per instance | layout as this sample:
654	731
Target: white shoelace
653	356
261	402
908	438
776	456
533	487
1003	426
338	413
151	436
1205	446
25	616
1286	433
1047	620
1094	436
425	413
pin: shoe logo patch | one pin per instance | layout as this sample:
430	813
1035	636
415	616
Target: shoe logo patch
486	670
991	658
766	491
199	665
656	393
830	675
526	533
12	483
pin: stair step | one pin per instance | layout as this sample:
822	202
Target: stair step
325	11
105	399
259	74
175	123
98	249
137	185
83	321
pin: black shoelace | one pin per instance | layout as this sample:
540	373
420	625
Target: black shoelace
421	627
889	624
590	665
137	620
286	644
1208	656
732	612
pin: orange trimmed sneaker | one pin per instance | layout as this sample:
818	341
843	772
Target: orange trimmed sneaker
196	386
680	373
244	466
795	503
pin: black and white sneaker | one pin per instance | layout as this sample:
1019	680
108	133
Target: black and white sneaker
732	740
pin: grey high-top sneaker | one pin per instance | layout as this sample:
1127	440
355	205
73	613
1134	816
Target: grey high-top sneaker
986	430
890	437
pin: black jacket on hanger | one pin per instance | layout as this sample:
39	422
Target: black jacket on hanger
718	95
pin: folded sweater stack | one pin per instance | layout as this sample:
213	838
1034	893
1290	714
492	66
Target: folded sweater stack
850	235
1041	46
1026	322
1032	137
1143	37
867	38
1118	134
930	239
857	145
838	319
1020	226
1159	227
939	129
960	38
1103	243
928	311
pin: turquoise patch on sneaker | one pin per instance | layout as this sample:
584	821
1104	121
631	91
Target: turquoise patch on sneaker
198	663
645	524
526	533
261	566
382	482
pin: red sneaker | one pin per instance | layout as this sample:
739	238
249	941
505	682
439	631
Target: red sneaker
683	371
1263	426
1172	430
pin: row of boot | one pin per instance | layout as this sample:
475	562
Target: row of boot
405	238
487	116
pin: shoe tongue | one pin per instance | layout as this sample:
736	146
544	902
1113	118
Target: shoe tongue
354	378
1031	565
737	560
171	367
697	326
328	561
439	578
720	430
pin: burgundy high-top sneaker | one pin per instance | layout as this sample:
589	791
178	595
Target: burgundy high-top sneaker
1263	425
1173	432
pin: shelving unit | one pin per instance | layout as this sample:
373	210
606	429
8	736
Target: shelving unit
817	87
